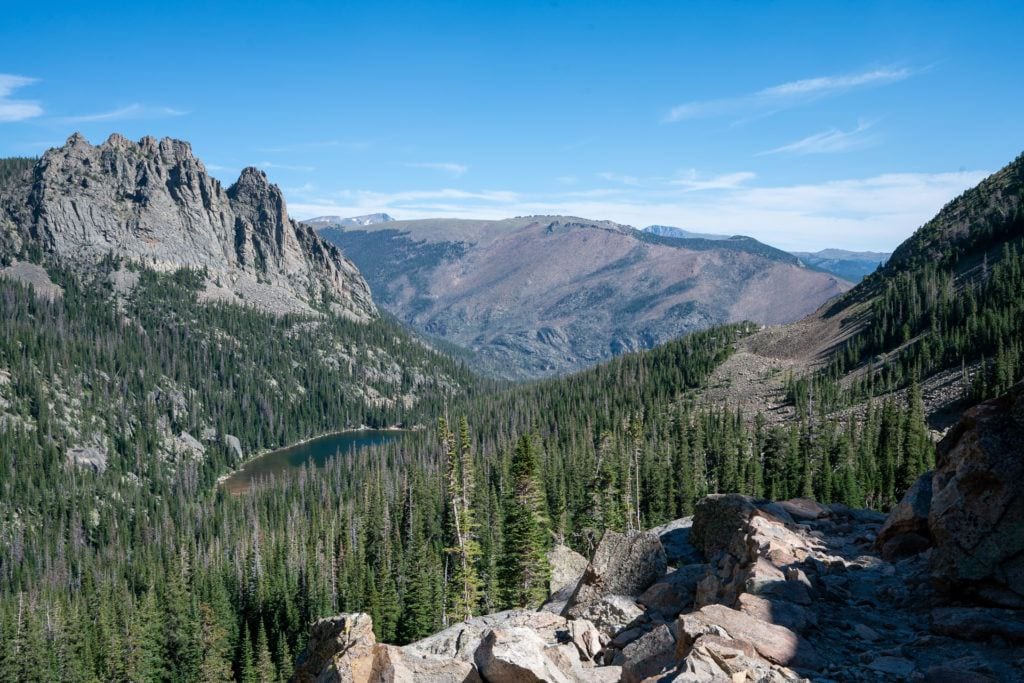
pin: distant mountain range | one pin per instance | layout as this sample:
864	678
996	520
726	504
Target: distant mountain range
541	295
351	222
849	265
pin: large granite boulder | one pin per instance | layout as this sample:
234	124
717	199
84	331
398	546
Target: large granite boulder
567	566
976	518
341	649
623	564
516	655
394	664
752	546
905	531
772	642
461	640
720	520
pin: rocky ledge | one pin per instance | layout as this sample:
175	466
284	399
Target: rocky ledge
752	590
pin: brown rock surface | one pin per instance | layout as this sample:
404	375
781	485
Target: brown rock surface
977	510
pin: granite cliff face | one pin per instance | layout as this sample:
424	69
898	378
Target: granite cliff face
153	203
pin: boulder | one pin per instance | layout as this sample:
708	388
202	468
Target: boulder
675	539
978	623
460	641
610	614
775	611
719	517
622	565
587	639
714	659
905	531
393	665
340	649
516	655
804	509
773	642
567	566
648	655
976	517
674	592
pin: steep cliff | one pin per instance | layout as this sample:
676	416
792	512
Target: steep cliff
153	203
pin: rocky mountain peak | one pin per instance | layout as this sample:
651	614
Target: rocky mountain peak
153	202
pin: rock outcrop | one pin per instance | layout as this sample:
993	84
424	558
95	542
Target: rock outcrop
153	203
969	512
976	517
779	592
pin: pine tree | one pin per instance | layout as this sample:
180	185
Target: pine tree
246	660
266	672
462	546
525	563
216	662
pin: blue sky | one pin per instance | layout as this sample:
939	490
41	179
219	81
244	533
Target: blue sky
803	124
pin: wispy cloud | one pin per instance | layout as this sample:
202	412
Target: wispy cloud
787	95
455	170
692	181
353	145
16	110
830	141
619	178
132	111
873	213
286	167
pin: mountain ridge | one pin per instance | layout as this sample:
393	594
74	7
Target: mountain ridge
153	203
540	295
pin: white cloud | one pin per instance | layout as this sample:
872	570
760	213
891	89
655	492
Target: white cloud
132	111
875	213
356	145
619	178
286	167
829	142
16	110
787	95
692	181
456	170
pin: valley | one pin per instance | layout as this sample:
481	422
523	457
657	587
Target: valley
130	389
538	296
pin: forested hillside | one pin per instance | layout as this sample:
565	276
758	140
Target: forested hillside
125	394
184	582
951	298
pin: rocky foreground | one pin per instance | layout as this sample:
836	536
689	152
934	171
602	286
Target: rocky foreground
751	590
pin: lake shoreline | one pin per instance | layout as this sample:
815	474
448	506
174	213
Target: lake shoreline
301	442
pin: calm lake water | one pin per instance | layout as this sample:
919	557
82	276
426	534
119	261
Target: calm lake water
316	452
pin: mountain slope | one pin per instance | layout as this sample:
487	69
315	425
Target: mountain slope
155	315
541	295
153	203
947	309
